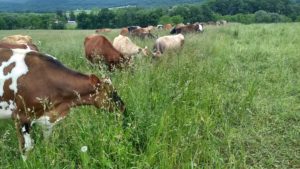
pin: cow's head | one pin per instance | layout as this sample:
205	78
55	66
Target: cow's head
106	96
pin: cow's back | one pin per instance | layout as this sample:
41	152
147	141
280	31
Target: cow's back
124	45
169	42
98	47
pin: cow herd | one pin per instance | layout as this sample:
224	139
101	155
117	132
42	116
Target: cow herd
122	50
37	88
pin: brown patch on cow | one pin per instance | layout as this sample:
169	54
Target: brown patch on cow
8	69
6	54
8	93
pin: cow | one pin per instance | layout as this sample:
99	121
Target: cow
36	88
18	40
124	31
211	23
124	45
103	30
159	27
98	48
223	22
142	33
167	43
187	29
131	28
18	46
149	28
168	26
180	25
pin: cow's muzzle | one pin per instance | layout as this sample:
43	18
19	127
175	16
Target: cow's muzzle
118	101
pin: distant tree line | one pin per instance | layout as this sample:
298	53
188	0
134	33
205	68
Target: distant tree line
106	18
243	11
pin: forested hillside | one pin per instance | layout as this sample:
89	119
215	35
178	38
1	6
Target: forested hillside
53	5
242	11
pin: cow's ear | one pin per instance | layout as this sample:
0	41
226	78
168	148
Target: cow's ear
94	80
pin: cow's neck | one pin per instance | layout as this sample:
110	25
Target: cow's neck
81	91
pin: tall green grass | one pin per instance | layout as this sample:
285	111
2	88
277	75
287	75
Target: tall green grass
229	99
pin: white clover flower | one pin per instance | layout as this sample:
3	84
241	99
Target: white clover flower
84	149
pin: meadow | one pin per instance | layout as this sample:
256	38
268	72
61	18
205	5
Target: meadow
229	99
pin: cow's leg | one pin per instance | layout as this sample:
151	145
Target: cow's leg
54	116
25	141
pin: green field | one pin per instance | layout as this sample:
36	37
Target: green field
229	99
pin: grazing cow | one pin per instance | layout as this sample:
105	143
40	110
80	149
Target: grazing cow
36	88
18	46
187	29
131	28
124	45
211	23
159	27
17	39
168	42
180	25
223	22
142	33
103	30
168	26
149	28
124	31
98	48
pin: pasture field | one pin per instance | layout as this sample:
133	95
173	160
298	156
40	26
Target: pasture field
229	99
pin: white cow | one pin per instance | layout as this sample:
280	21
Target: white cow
125	46
168	43
17	39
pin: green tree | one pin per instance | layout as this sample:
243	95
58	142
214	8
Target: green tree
177	19
165	19
72	16
2	23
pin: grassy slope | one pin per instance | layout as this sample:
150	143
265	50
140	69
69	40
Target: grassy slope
229	99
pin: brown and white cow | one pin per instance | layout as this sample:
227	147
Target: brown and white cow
18	46
187	28
36	88
124	45
142	33
169	42
18	40
98	48
103	30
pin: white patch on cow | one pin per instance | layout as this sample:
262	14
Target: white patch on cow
200	27
51	56
20	69
107	80
44	122
24	157
28	143
6	109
